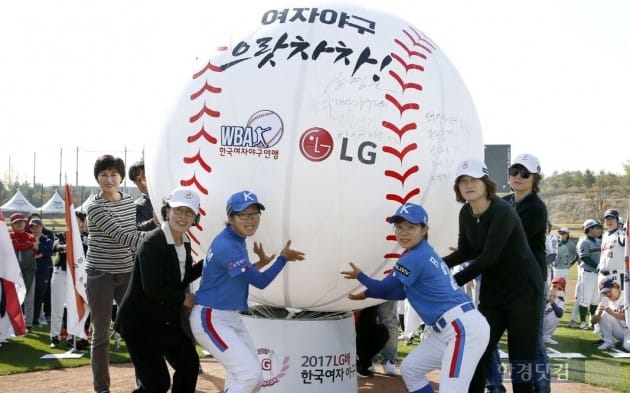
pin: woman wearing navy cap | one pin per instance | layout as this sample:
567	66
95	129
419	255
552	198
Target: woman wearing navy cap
420	275
227	273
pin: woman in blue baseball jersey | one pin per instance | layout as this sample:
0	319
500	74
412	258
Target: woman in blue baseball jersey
420	275
227	274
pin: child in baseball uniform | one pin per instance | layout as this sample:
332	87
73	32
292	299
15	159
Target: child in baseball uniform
215	320
610	315
554	308
589	249
567	254
460	331
611	259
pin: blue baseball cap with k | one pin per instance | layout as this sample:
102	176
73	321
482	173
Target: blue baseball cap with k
241	201
412	213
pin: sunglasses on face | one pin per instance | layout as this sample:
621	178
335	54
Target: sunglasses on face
524	173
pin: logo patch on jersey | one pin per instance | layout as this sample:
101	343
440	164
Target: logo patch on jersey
402	270
240	265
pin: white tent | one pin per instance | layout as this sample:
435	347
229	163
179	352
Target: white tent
18	203
84	205
55	205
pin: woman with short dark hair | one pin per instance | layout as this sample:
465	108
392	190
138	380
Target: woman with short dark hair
112	240
491	237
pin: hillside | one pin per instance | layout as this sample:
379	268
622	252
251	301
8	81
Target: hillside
570	207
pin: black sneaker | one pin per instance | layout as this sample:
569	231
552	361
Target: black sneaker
54	342
365	373
83	344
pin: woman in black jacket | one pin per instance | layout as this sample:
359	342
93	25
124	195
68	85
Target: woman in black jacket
492	238
150	316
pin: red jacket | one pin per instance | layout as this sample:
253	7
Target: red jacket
22	240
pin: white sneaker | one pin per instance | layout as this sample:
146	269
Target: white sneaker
550	341
583	326
605	346
596	328
389	368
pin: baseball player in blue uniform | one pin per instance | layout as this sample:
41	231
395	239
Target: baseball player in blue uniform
227	274
420	275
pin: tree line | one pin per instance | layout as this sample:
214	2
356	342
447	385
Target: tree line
571	196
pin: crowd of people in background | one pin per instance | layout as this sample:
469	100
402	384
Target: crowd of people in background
509	272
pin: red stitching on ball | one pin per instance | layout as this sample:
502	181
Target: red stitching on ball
402	83
402	153
403	199
206	87
401	107
391	255
193	237
409	126
407	66
399	131
420	38
194	182
402	177
208	67
202	133
204	111
198	159
410	53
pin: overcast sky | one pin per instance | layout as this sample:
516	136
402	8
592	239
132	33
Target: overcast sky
549	78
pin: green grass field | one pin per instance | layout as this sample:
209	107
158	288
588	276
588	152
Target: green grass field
22	354
598	368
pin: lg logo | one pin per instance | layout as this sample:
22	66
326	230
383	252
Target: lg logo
316	144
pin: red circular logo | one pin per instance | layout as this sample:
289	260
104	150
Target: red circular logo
316	144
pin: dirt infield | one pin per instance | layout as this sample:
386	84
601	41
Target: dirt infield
79	380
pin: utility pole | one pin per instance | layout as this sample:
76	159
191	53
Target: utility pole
76	181
60	160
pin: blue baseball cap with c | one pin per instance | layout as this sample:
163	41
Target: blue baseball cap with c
241	201
410	212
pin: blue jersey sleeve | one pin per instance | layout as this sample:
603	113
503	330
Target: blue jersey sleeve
240	264
388	288
261	279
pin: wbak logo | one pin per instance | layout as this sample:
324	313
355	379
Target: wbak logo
264	129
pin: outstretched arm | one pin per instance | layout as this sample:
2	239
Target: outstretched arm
389	288
261	279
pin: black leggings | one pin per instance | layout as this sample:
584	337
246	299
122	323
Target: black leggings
521	321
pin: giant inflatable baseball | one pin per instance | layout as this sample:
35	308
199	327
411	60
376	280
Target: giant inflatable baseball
334	116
